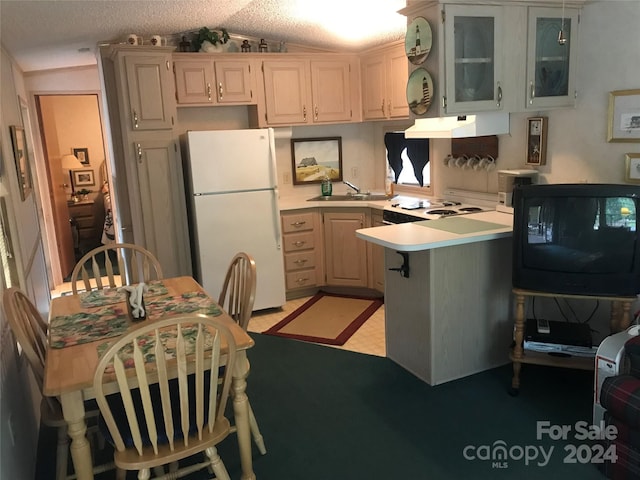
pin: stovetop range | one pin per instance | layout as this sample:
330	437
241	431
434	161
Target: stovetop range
409	209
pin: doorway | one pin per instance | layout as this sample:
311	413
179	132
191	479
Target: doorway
77	180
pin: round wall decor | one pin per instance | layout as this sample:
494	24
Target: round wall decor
417	41
419	91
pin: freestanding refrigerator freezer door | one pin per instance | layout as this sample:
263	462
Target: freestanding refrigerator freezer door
226	224
231	160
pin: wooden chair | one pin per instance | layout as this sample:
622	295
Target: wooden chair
159	421
135	264
237	297
30	331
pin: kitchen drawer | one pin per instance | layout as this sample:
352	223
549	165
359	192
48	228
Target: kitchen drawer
298	261
299	241
303	278
297	222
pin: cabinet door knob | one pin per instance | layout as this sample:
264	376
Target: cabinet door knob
499	94
220	90
135	119
315	113
209	91
298	224
304	113
382	107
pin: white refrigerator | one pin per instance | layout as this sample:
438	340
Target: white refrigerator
233	207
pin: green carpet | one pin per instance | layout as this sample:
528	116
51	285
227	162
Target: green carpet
332	414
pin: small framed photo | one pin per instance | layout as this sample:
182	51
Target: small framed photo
82	154
83	178
21	159
632	168
536	141
315	158
624	116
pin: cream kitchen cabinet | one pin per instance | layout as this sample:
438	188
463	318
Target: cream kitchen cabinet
473	56
474	71
384	74
302	244
551	66
149	90
375	254
345	254
158	170
214	80
303	91
150	194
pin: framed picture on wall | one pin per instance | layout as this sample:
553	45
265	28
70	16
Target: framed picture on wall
19	141
624	116
83	178
82	154
315	158
537	141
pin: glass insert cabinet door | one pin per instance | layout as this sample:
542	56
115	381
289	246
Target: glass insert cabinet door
473	58
551	62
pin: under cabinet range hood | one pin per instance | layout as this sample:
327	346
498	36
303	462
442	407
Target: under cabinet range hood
491	123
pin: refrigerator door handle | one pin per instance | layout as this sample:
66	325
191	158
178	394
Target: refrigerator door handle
276	220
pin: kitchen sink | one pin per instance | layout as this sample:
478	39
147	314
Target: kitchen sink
351	196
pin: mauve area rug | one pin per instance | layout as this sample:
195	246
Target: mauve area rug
326	318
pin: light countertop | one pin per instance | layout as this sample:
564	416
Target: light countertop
298	202
416	236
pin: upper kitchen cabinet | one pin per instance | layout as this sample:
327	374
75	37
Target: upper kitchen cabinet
149	89
300	91
551	57
205	80
384	75
501	56
473	71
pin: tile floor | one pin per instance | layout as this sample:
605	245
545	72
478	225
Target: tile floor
369	338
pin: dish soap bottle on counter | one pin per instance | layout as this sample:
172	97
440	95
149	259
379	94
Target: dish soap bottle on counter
326	186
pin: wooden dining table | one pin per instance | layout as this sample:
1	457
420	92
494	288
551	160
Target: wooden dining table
82	325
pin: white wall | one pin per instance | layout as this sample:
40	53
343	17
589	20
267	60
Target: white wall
577	149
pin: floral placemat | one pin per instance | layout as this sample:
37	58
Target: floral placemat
108	296
190	302
147	344
83	327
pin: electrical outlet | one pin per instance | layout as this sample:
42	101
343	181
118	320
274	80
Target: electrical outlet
286	178
354	172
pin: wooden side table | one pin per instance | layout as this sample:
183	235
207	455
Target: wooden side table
620	320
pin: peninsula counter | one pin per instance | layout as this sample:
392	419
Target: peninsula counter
451	316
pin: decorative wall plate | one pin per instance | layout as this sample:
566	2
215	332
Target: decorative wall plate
419	91
417	41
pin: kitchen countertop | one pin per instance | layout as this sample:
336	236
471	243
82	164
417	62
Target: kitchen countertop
417	236
298	202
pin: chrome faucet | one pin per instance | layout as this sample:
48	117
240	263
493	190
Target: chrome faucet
351	185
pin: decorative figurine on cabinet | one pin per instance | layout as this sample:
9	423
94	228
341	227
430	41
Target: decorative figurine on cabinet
262	46
246	46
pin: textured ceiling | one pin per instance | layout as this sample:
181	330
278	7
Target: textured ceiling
46	34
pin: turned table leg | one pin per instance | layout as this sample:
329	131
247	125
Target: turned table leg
518	337
241	414
73	411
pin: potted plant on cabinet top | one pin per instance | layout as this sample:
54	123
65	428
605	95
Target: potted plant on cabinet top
210	41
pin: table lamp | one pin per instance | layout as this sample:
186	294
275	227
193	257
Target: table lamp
70	162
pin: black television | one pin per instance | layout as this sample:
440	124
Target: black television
580	239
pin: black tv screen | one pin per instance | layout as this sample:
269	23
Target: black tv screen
577	239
